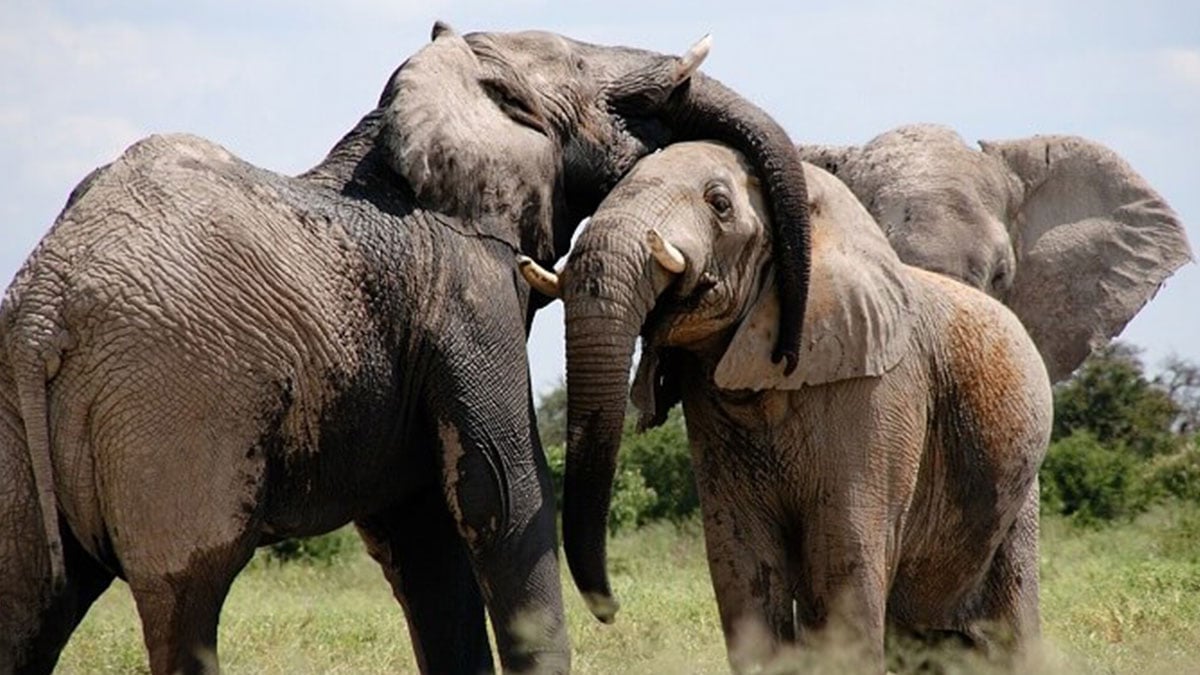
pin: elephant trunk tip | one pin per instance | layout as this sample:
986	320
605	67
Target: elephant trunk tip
603	606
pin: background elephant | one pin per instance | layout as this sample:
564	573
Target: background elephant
1060	229
203	356
890	480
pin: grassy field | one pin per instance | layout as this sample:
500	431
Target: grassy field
1120	600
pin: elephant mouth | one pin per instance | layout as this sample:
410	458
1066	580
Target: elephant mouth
677	320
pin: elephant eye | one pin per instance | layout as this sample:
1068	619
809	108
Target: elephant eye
719	201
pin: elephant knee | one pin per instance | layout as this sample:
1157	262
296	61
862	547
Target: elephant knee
473	491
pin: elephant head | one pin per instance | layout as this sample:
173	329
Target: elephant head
533	128
1059	228
523	133
682	256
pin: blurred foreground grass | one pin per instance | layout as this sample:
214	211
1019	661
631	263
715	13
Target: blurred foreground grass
1123	599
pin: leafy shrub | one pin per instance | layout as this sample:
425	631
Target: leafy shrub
654	476
631	502
1111	398
324	549
664	460
1176	475
1089	481
556	458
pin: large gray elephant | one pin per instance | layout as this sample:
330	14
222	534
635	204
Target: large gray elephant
891	480
202	356
1059	228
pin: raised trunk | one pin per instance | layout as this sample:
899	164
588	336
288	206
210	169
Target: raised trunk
704	108
606	297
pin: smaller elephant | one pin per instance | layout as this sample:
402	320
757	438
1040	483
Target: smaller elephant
889	481
1058	228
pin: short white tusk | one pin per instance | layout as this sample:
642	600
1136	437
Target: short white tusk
542	280
691	61
665	253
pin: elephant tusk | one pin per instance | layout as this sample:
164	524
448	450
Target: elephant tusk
690	61
665	253
542	280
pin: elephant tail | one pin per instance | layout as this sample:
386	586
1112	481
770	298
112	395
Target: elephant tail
30	370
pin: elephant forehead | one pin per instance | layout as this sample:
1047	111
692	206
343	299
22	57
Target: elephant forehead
703	159
691	154
529	44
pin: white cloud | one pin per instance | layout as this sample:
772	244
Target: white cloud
1181	66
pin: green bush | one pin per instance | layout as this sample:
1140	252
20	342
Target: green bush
654	476
631	502
1089	481
1111	398
1176	475
324	549
664	460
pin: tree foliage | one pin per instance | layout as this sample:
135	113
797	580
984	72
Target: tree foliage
1180	379
654	471
1121	439
1090	481
1111	398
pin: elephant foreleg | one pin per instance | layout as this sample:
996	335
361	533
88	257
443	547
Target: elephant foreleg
750	577
497	487
426	562
505	513
841	583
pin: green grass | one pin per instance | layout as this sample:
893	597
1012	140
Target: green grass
1124	599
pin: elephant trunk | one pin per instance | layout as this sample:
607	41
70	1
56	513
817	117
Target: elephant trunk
606	296
703	108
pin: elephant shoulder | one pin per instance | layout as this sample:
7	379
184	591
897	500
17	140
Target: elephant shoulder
160	171
164	157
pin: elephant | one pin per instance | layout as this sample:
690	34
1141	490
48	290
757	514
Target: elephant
202	356
889	482
1059	228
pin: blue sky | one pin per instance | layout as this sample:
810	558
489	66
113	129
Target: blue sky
277	82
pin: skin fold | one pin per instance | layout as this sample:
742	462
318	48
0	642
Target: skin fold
202	357
1058	228
889	483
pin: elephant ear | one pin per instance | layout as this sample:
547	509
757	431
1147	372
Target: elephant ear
1094	243
470	137
859	315
656	387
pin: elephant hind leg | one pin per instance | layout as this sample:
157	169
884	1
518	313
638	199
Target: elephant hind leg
180	610
55	620
1004	620
181	540
417	545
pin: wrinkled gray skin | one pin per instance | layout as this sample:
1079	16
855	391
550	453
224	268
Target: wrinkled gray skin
202	357
1059	228
890	481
